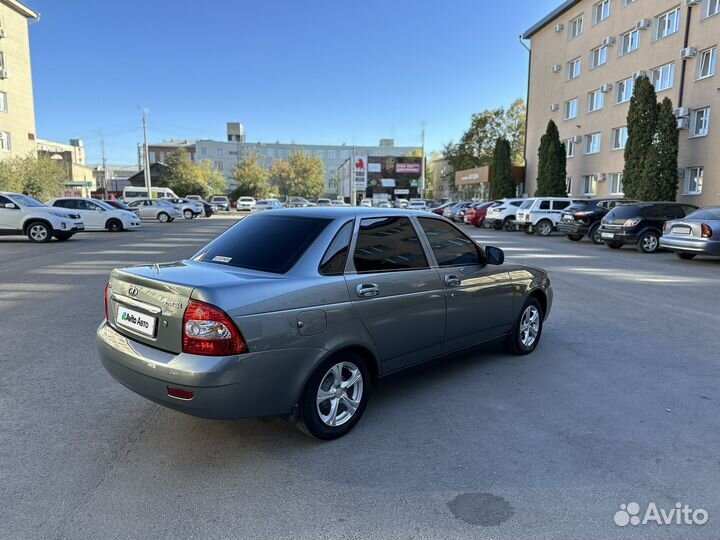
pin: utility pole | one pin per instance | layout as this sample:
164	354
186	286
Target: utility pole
422	163
353	187
146	156
104	168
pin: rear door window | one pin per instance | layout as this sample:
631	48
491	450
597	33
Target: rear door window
450	246
386	245
560	205
544	205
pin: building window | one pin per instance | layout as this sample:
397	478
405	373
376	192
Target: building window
700	123
627	2
601	11
568	185
576	27
573	68
706	63
4	141
569	148
203	151
219	152
2	60
625	90
219	166
3	102
570	109
620	136
630	42
616	184
596	101
593	143
713	8
589	184
694	181
598	57
667	24
662	77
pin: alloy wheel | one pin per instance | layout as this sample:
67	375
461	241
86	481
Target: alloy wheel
529	326
649	243
339	394
39	233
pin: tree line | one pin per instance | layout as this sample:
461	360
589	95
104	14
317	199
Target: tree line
38	177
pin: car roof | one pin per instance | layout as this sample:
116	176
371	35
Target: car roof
330	212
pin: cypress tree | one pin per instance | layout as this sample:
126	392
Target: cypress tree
642	124
660	175
502	184
552	164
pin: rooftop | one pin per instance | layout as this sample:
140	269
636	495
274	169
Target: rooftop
21	8
547	19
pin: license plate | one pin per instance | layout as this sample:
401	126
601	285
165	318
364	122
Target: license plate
681	230
607	235
80	227
134	320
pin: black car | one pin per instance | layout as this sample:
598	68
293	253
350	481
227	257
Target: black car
209	211
640	224
583	218
122	206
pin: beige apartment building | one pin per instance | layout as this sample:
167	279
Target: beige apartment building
585	56
17	112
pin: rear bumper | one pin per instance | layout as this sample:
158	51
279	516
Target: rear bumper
243	386
573	227
618	236
691	245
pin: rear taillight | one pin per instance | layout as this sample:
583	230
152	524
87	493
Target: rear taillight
107	300
706	231
633	222
209	331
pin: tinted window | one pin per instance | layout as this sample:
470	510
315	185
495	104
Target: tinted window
63	203
450	246
266	243
623	212
705	213
387	244
578	206
656	211
333	262
516	203
673	211
560	205
4	201
544	205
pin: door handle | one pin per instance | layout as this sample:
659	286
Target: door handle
367	290
452	280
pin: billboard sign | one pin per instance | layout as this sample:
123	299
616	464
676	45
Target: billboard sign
360	172
407	168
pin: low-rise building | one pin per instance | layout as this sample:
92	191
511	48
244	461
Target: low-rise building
80	179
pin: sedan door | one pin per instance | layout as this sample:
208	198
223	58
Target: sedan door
91	213
479	297
396	294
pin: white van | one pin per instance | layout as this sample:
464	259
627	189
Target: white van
131	193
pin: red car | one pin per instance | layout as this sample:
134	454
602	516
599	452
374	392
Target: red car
440	209
476	214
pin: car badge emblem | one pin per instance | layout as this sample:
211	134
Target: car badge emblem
133	291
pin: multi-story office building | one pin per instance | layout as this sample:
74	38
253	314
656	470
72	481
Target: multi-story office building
17	111
585	57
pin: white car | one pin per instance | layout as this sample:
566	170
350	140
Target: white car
190	209
418	205
501	215
245	204
158	209
222	202
23	215
267	204
323	202
541	214
366	203
98	215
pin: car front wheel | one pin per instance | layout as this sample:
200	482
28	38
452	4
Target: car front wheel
163	217
187	214
334	398
39	232
544	228
114	225
594	234
526	332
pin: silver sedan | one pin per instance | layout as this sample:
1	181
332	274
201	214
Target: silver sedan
294	312
696	234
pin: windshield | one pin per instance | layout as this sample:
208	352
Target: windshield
271	243
24	200
527	204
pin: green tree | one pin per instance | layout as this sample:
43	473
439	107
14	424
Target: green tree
502	184
552	164
211	178
660	174
302	175
251	177
39	177
642	125
182	175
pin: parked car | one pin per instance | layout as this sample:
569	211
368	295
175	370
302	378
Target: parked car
440	210
384	204
697	234
116	203
475	215
502	215
298	202
418	206
640	224
456	212
582	218
245	204
208	208
401	203
98	215
23	215
222	202
159	209
195	198
189	208
267	204
240	330
541	214
324	202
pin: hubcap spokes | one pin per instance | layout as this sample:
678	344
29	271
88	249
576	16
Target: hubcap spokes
38	232
339	394
529	326
649	243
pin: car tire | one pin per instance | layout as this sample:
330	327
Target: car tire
114	225
614	245
164	217
508	224
685	256
39	232
188	214
594	234
544	227
575	237
316	415
62	237
648	243
527	330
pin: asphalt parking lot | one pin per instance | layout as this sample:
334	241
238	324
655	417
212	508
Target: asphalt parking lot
619	404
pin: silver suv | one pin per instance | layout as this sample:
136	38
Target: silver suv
20	214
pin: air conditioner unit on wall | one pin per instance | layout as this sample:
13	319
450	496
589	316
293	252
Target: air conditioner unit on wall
693	2
601	177
682	112
559	27
683	123
643	24
608	41
554	107
639	74
557	68
577	139
605	88
689	52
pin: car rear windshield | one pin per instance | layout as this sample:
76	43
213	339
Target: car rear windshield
624	212
578	206
265	243
706	213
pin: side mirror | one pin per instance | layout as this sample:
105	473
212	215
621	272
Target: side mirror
494	256
10	206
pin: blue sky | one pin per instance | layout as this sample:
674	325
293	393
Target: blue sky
323	72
